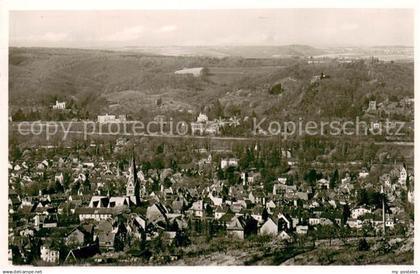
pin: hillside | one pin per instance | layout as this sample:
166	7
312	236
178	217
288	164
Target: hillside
98	81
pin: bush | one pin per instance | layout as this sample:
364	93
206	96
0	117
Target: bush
363	245
276	89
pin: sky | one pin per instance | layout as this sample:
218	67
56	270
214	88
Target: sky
314	27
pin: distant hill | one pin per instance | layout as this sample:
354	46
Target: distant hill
232	51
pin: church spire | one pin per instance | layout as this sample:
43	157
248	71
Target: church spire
133	184
133	170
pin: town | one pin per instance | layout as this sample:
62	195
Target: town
227	192
109	202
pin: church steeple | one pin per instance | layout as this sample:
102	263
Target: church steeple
133	183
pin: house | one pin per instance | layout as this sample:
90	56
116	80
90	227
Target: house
104	234
332	203
236	228
372	106
260	197
375	126
282	180
59	105
178	205
282	188
219	212
402	179
49	255
253	177
69	207
197	208
286	154
76	237
346	180
99	202
80	235
136	225
88	165
81	253
269	228
139	220
325	221
198	128
59	178
98	214
410	196
50	221
202	118
123	201
270	205
237	206
302	229
284	222
104	119
284	236
196	72
314	221
242	226
217	201
302	195
359	211
323	184
156	212
250	177
14	201
355	223
389	222
10	256
257	213
363	173
228	162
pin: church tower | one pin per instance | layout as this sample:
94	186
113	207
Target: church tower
133	183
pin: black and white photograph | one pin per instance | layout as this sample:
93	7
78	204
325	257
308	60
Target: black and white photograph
210	137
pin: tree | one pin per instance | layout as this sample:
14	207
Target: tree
156	244
363	245
311	177
346	214
19	115
205	72
160	149
181	239
209	210
16	153
265	214
276	89
174	165
167	182
159	102
334	179
120	238
218	109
